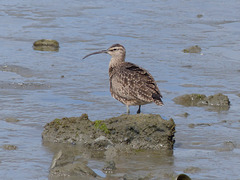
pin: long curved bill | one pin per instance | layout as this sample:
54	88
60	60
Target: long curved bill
98	52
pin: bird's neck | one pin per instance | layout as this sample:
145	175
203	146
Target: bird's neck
115	61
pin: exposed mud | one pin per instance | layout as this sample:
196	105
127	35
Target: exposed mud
218	101
142	131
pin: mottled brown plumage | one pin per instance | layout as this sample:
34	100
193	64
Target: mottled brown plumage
129	83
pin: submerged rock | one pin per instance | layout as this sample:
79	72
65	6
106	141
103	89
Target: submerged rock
61	159
63	166
9	147
192	170
199	16
46	45
217	100
142	131
12	120
22	71
109	167
193	49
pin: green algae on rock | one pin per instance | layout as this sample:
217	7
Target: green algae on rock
193	49
46	45
141	131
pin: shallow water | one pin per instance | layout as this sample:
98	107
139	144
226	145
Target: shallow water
34	91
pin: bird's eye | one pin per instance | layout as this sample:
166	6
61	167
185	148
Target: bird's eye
113	49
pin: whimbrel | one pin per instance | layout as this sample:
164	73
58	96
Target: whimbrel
129	83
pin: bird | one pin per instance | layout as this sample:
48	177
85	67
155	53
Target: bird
130	84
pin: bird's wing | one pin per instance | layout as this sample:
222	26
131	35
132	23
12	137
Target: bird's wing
131	81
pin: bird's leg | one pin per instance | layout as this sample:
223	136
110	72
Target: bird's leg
128	110
139	109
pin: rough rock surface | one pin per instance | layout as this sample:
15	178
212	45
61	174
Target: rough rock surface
143	131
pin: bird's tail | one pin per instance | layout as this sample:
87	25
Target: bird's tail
157	99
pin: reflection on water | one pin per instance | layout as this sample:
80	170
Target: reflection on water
37	86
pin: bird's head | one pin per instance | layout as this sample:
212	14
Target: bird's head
116	51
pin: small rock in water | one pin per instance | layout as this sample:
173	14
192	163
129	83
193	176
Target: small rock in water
46	45
193	49
217	100
199	16
9	147
191	99
12	120
184	115
227	146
